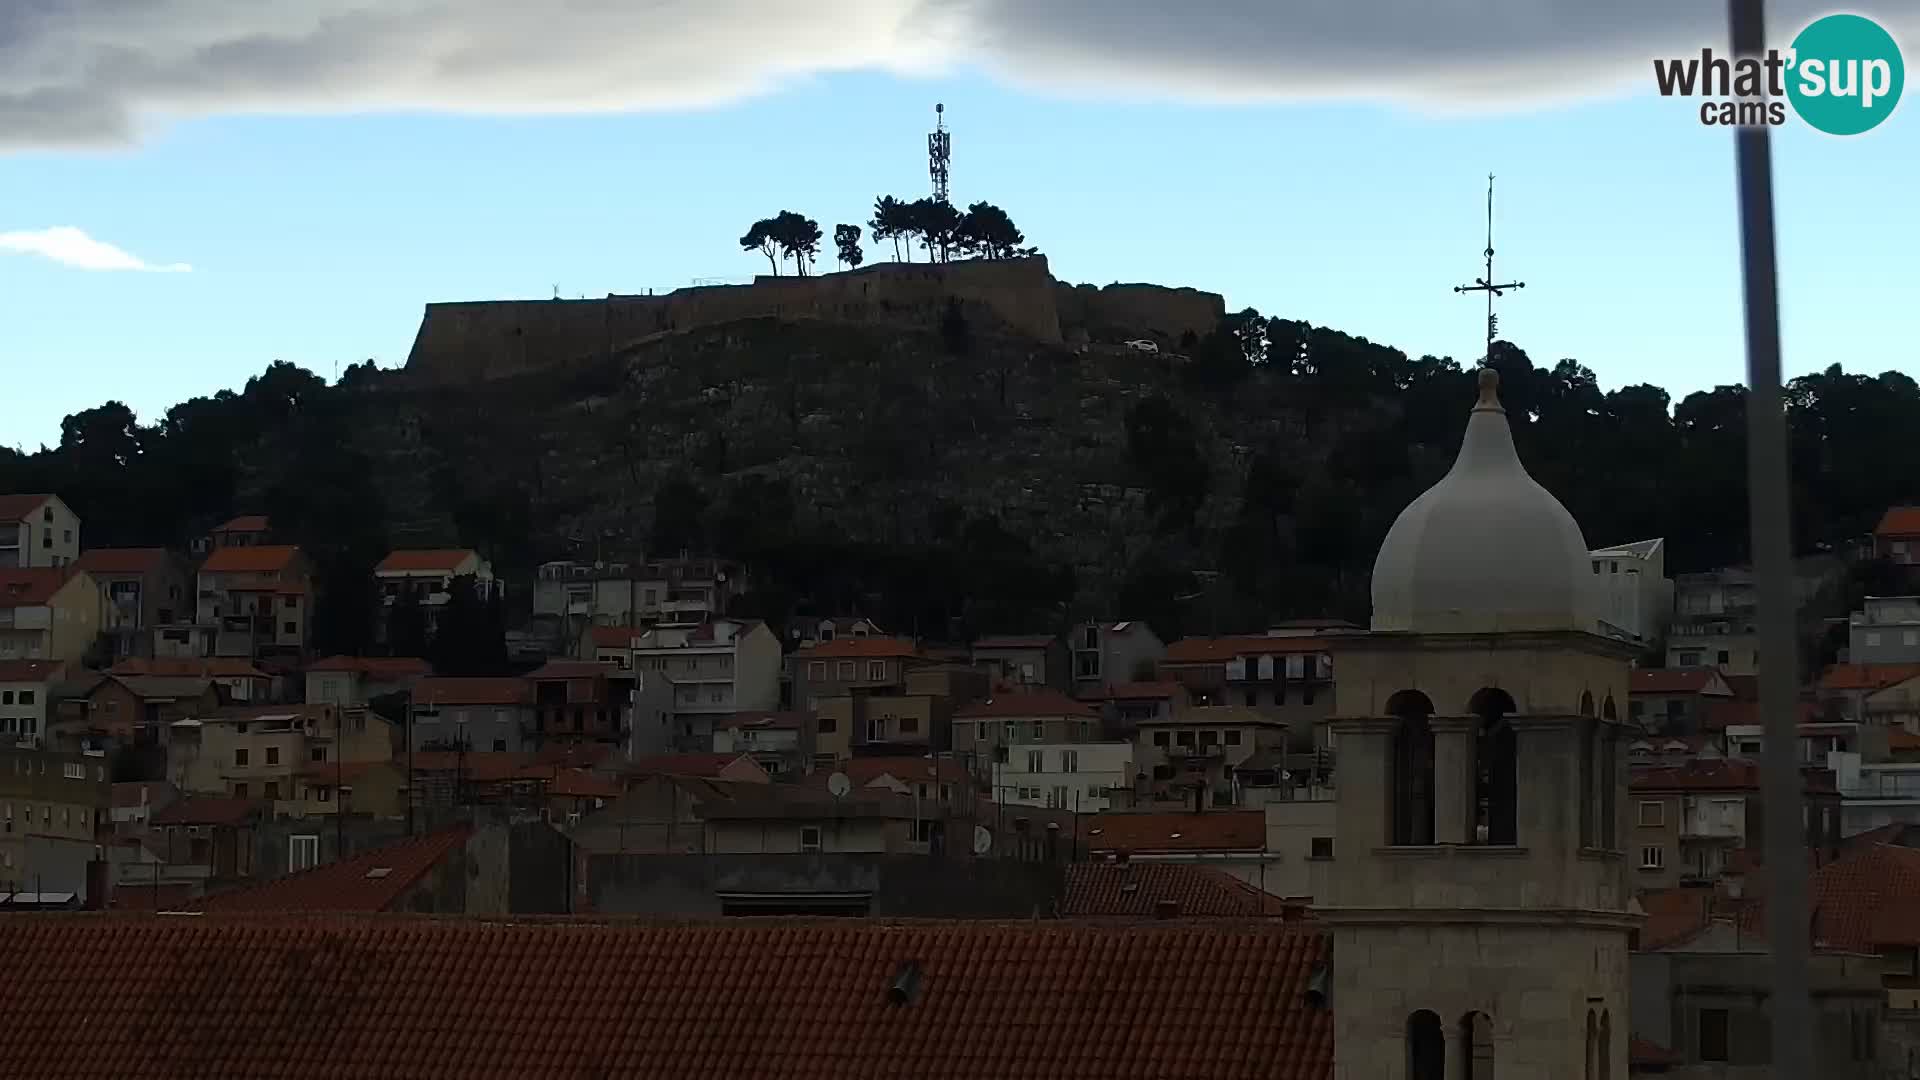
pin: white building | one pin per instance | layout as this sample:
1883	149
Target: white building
24	688
429	575
37	530
1064	776
1631	589
717	668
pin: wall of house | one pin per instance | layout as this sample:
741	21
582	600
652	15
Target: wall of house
873	835
901	886
1098	769
1292	828
50	537
23	709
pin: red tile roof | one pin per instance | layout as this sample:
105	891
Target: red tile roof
865	770
867	648
1699	776
1899	521
209	810
1867	899
1902	740
435	560
212	667
1140	691
356	884
1177	831
1674	917
706	765
614	637
1026	703
764	720
472	691
245	523
571	783
1016	641
1724	714
326	773
478	766
1139	888
99	561
1866	676
1670	680
379	667
573	669
365	996
30	670
1645	1052
31	586
159	896
15	508
251	560
1219	650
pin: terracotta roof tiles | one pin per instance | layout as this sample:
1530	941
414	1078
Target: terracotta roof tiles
15	508
31	586
211	667
251	560
98	561
1139	888
1899	521
1026	703
33	671
705	765
425	561
371	881
1016	641
861	648
1219	650
1670	680
1140	691
780	999
472	691
1864	901
245	523
379	667
1866	676
208	810
1174	831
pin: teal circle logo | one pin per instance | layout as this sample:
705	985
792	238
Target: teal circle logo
1845	74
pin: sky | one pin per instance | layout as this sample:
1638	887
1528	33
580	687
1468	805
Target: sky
192	191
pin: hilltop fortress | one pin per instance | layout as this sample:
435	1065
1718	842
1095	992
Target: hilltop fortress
491	339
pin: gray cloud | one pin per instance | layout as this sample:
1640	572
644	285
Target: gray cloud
78	72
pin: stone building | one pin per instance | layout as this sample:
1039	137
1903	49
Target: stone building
1478	905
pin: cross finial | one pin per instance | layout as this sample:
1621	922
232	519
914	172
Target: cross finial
1486	284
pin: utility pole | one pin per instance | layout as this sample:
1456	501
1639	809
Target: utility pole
1486	284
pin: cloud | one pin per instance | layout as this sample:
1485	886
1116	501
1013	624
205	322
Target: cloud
78	72
69	246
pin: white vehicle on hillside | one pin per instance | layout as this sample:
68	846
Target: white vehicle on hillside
1143	345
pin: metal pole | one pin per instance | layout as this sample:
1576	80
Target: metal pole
1767	494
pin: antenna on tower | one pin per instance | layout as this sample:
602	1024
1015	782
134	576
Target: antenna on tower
939	152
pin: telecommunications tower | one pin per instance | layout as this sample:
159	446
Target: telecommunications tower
939	152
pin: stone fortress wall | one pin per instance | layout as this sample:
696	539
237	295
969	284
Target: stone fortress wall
481	340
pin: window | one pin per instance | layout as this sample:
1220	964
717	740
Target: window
817	670
1690	658
6	697
1320	847
1653	858
289	628
1713	1034
75	772
499	745
1873	638
1232	736
909	725
240	758
323	794
1910	638
1161	738
303	852
846	670
809	838
272	789
290	602
318	753
1036	761
273	755
240	791
1653	814
1183	738
1209	738
1069	761
876	670
1252	696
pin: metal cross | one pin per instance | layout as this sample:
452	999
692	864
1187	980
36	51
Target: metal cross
1486	284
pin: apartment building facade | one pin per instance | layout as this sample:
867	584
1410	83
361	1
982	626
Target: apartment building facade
48	614
142	590
254	600
716	668
37	531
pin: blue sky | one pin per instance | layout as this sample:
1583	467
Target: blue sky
318	239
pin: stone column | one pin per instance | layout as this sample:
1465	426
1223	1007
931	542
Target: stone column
1453	809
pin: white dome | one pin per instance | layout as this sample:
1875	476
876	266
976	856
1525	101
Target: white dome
1485	550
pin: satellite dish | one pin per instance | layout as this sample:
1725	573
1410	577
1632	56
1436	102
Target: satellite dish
838	785
982	840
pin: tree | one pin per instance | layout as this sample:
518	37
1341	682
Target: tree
890	221
798	237
406	625
986	230
764	238
846	244
936	223
468	638
678	508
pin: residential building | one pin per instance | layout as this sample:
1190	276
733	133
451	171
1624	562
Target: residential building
1886	630
1125	706
208	840
1287	677
932	782
772	739
1300	844
240	680
26	700
427	576
136	801
48	614
475	714
54	808
1191	757
1675	701
581	701
101	712
890	701
733	765
989	733
665	813
1232	841
1106	654
1714	621
142	590
37	531
1141	890
1897	537
808	632
682	591
1025	660
362	790
1631	592
255	599
1076	776
247	530
1875	794
716	668
267	753
1688	820
1846	689
1894	705
353	681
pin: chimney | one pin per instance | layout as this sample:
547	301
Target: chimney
1166	909
97	886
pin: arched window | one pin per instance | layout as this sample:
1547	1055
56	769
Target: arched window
1586	703
1476	1046
1593	1045
1588	732
1412	781
1426	1047
1606	1045
1496	770
1607	711
1609	753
